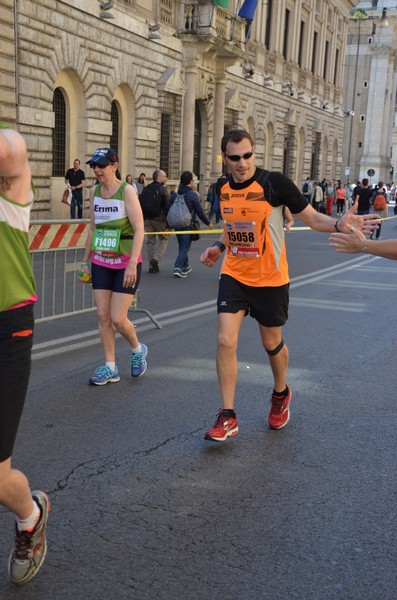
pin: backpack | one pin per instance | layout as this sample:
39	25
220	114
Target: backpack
211	194
380	202
216	206
305	189
214	199
150	200
178	216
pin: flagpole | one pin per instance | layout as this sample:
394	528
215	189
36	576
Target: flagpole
234	20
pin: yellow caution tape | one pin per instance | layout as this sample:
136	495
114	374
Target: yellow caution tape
199	231
217	231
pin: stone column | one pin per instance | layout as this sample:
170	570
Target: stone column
219	121
188	118
377	136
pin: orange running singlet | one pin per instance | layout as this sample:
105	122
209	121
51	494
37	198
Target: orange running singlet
254	232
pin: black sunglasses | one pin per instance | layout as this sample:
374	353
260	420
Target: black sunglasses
94	164
237	157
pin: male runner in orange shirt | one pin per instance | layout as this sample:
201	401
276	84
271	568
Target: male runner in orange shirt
254	276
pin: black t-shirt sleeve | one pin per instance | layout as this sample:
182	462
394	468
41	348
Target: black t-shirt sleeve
279	189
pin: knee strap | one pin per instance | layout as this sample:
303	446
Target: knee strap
276	350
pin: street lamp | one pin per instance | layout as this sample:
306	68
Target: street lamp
381	22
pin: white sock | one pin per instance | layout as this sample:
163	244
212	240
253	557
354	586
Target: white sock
29	523
137	349
111	365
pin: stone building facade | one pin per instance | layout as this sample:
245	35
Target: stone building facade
161	80
370	139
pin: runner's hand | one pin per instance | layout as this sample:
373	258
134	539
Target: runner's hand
210	256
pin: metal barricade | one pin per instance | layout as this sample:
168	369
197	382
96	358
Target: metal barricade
57	249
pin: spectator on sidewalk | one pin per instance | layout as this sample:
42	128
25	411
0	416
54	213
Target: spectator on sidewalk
362	199
140	183
155	199
182	267
379	203
329	197
307	190
318	196
349	195
340	199
75	177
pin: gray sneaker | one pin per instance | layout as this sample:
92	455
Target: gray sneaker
30	546
179	273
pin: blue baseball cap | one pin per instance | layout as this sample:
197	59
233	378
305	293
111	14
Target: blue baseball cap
103	157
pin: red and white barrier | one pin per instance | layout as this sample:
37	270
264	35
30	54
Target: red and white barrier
50	236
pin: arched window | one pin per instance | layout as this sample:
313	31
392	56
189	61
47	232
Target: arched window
59	135
114	138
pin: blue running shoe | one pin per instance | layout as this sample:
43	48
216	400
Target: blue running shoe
103	375
138	362
187	270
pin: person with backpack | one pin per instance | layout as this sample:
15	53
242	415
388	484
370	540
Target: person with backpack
155	199
182	267
307	190
379	203
254	274
213	198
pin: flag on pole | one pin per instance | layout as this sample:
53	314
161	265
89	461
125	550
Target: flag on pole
247	11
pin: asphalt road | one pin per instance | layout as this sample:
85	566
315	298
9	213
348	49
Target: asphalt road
143	508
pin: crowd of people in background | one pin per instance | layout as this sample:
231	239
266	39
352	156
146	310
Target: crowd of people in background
324	195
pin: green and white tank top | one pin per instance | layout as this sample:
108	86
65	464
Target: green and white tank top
111	214
17	283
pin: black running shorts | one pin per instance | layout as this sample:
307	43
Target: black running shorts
16	339
267	305
104	278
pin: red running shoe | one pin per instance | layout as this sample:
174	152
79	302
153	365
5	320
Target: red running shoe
224	427
279	412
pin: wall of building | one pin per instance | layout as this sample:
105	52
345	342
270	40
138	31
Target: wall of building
201	63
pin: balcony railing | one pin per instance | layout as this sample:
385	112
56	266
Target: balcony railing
167	12
212	20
